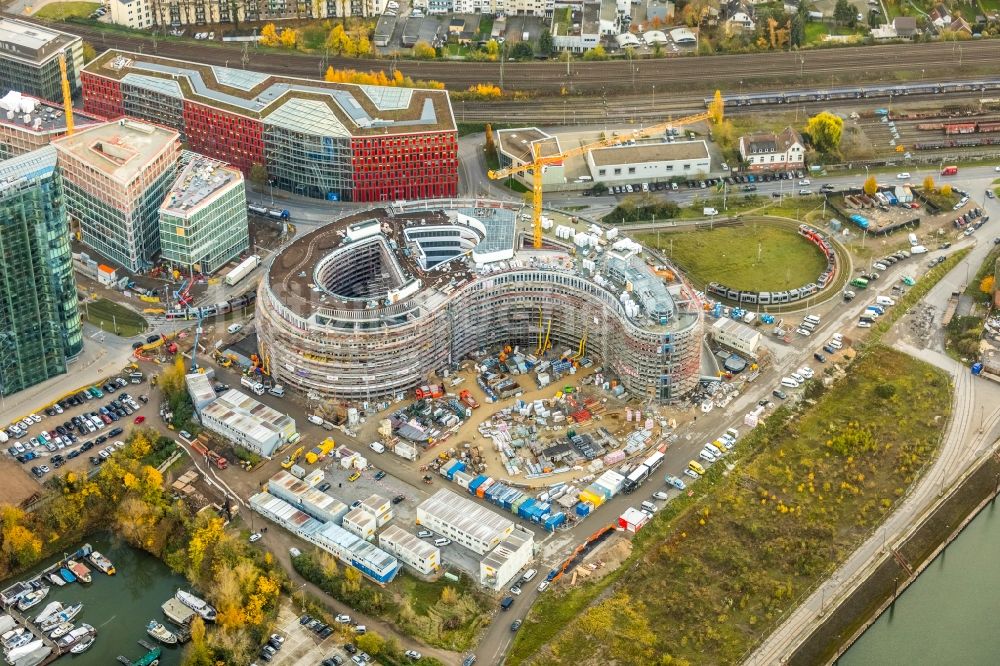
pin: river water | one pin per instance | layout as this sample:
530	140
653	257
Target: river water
118	606
950	614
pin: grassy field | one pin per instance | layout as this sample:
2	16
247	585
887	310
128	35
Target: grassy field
60	11
112	317
708	579
755	256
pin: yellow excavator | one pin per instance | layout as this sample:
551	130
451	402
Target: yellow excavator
290	460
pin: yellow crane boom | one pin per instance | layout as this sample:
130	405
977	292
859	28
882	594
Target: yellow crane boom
67	95
538	164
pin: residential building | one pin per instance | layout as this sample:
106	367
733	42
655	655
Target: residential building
940	16
117	175
203	219
35	123
248	423
29	59
504	562
659	12
39	319
424	557
736	337
516	147
464	521
645	162
318	139
905	26
766	151
576	30
135	14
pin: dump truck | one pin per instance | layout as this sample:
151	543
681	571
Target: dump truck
210	455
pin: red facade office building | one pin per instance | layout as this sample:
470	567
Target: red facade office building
323	140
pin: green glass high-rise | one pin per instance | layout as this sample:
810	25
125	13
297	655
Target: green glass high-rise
40	326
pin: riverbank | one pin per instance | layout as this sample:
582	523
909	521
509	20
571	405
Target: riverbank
848	621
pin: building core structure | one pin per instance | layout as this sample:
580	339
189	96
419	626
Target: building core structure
323	140
371	305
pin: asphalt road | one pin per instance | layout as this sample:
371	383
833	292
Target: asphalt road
826	66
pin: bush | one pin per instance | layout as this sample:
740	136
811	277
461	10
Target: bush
641	209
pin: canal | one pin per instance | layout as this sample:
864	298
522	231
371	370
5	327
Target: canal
117	606
949	615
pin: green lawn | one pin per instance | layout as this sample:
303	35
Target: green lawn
816	29
757	256
60	11
706	583
112	317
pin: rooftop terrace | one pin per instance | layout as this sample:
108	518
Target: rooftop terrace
199	183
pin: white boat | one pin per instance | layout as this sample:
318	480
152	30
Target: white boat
50	610
10	635
202	608
35	657
24	651
161	633
56	579
63	616
83	645
72	637
32	599
102	563
61	629
7	623
17	639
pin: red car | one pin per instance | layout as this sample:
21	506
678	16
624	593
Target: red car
139	419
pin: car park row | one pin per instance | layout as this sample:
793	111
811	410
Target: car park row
749	179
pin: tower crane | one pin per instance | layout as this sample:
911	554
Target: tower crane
67	95
537	165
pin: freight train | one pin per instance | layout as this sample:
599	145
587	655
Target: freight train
962	128
231	305
815	237
971	142
857	92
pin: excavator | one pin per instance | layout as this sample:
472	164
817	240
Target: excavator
290	460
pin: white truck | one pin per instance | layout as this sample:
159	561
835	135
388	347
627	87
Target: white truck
277	391
377	447
253	385
242	270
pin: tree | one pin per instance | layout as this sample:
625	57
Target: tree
871	185
825	129
946	190
986	286
88	52
337	41
844	12
491	146
371	643
449	596
269	35
522	51
716	109
423	51
929	184
545	44
596	53
258	172
492	49
289	38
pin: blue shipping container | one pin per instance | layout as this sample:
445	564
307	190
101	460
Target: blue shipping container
458	467
583	509
476	482
525	509
554	521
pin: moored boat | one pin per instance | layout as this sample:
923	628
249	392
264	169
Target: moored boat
65	615
32	598
80	570
161	633
83	645
61	629
72	637
102	563
10	638
67	575
199	606
51	609
24	651
56	579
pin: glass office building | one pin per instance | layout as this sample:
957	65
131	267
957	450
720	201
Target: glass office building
39	317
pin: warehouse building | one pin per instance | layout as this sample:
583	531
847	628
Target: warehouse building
424	557
391	316
251	424
35	123
203	219
351	549
464	521
499	568
359	522
324	140
117	175
650	161
29	59
736	337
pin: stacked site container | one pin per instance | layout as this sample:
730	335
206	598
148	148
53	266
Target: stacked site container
554	521
459	466
511	497
596	499
476	482
583	509
494	491
483	487
462	479
516	504
602	487
524	511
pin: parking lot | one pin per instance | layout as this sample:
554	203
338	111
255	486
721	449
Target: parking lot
78	432
302	647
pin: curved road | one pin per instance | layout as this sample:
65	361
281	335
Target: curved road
815	67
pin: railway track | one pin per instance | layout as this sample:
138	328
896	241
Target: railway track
635	78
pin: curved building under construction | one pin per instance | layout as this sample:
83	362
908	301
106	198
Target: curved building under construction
373	304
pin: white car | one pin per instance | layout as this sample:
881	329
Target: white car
343	619
414	655
660	495
808	373
543	585
903	176
802	331
707	456
690	472
256	536
864	324
804	181
515	590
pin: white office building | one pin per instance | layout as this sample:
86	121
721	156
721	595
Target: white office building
500	567
247	422
424	557
738	337
646	162
464	521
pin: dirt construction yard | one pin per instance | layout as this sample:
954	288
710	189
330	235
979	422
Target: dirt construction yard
17	484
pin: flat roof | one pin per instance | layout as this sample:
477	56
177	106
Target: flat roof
52	116
650	152
304	105
517	143
30	41
395	538
200	388
472	518
29	165
507	548
120	149
241	412
363	552
202	181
